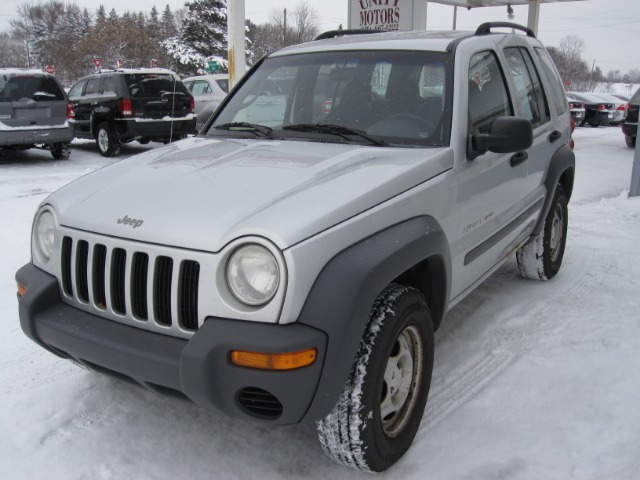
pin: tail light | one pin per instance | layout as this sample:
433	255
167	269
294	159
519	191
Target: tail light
621	107
573	125
125	107
70	113
571	106
601	108
193	105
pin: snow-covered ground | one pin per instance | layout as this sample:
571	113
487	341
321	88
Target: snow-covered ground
532	380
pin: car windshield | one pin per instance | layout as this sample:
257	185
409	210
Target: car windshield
25	87
398	98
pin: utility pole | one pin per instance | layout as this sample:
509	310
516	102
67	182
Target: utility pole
634	188
235	28
284	32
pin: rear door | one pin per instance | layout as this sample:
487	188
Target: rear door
158	95
81	108
202	93
31	100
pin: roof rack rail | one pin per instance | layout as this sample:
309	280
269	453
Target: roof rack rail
340	33
485	28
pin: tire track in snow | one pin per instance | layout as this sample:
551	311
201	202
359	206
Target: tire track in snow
452	389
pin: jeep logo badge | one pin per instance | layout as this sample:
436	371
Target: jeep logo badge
134	222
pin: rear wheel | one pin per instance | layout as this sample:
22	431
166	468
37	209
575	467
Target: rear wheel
541	258
379	412
61	150
630	140
108	144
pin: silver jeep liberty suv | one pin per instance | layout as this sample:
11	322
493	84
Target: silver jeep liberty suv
291	263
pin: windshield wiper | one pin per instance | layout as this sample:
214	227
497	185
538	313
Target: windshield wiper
333	129
246	127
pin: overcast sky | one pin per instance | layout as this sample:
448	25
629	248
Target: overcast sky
610	28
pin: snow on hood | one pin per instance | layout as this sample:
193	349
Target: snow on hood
202	193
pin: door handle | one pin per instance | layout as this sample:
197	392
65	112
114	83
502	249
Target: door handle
518	158
555	135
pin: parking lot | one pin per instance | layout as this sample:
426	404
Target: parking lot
531	381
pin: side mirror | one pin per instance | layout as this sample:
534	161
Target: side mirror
506	135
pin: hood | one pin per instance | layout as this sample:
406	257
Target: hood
202	193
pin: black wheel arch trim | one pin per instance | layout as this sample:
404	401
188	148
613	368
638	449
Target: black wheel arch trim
561	170
345	290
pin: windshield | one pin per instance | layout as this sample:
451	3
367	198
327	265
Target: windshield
397	98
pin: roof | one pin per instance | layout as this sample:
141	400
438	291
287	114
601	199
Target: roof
22	71
437	41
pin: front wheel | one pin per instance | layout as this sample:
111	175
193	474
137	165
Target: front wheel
61	150
541	258
379	412
108	144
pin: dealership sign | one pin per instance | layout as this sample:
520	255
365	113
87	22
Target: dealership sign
388	14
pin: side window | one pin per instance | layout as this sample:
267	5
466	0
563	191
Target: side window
488	97
223	84
200	87
76	90
109	86
533	104
93	86
549	69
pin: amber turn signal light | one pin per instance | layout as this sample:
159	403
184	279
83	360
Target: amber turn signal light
21	290
274	361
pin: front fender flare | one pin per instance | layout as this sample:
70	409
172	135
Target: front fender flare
341	298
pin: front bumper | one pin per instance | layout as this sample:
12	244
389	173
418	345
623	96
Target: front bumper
199	368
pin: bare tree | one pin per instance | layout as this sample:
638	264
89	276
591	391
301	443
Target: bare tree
286	28
12	51
568	59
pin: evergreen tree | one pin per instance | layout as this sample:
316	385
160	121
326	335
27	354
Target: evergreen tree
203	36
168	24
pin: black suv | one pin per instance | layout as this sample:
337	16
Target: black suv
630	123
119	106
34	112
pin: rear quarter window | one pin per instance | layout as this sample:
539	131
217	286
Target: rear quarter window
223	84
550	72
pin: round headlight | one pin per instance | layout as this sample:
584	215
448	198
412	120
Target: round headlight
253	275
43	235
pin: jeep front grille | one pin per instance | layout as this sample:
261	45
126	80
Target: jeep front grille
131	285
